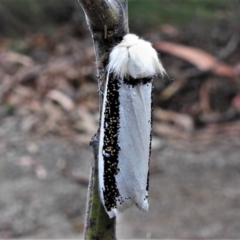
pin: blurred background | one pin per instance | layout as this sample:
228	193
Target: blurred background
49	112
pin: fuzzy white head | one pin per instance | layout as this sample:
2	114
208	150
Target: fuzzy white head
134	57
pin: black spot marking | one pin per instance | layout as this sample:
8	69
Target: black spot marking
134	82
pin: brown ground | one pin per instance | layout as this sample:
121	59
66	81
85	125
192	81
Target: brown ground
194	195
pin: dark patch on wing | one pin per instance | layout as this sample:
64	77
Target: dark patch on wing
111	148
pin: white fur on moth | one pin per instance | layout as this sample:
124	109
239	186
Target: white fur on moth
126	125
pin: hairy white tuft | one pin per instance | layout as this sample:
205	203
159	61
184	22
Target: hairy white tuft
134	57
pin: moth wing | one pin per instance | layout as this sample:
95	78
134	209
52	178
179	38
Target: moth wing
100	147
134	148
134	142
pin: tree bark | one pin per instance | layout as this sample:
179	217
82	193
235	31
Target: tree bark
108	23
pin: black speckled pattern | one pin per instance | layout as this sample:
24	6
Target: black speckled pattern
110	144
111	148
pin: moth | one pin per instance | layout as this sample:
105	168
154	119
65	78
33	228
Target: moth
126	125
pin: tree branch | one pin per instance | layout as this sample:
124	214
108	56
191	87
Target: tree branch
101	13
108	23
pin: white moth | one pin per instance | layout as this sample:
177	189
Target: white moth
126	125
